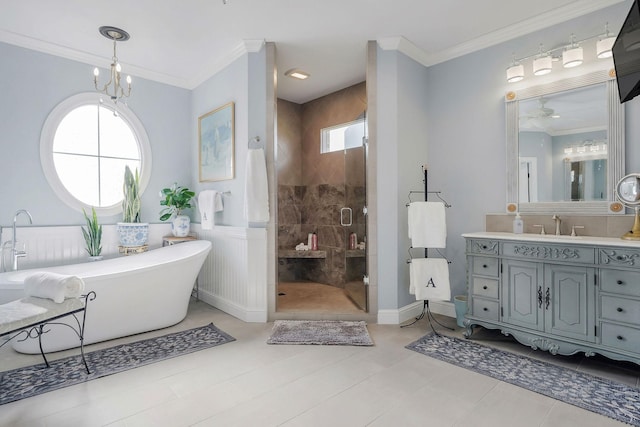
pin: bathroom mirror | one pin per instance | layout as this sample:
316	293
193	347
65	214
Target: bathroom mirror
628	189
565	146
628	192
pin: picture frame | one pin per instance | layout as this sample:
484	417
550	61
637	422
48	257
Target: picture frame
216	144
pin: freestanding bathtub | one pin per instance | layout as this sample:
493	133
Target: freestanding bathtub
134	294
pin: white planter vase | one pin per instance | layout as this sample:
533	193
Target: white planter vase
133	233
180	226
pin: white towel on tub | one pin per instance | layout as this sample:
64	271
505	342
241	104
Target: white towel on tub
429	279
256	192
53	286
427	225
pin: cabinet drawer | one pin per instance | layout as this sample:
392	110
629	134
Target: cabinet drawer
488	247
487	288
620	282
622	337
485	266
485	309
620	257
620	309
549	252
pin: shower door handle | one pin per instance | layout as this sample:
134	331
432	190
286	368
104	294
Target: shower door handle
342	221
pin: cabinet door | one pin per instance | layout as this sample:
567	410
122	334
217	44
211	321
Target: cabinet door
522	302
569	301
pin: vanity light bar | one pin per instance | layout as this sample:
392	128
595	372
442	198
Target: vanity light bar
571	55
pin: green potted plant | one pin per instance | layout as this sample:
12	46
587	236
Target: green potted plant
175	200
92	235
132	232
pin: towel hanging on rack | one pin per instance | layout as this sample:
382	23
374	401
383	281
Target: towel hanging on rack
256	194
427	224
429	279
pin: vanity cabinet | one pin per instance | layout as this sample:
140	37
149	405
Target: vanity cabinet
561	295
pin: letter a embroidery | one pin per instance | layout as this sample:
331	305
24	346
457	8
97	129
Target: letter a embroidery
430	282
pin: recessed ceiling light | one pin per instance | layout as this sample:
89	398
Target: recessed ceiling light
297	74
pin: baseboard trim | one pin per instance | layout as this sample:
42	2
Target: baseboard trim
249	316
408	312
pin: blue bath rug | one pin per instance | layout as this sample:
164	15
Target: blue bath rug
33	380
595	394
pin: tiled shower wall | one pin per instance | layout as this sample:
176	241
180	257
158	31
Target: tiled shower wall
312	189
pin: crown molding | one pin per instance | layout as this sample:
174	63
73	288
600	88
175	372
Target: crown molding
218	64
539	22
86	58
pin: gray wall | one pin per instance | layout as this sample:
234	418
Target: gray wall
402	150
32	84
244	83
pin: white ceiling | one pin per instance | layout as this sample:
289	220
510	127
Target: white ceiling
182	43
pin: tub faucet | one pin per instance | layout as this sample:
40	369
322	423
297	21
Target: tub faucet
557	219
15	253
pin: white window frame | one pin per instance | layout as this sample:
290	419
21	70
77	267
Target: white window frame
325	141
46	148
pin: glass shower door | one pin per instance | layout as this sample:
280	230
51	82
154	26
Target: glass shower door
353	216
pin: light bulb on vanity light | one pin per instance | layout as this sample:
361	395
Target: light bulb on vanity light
572	56
515	71
604	45
543	63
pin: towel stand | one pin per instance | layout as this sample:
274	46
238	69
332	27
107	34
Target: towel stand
425	307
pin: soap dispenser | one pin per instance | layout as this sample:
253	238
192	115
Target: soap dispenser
518	224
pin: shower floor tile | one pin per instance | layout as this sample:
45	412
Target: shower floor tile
311	297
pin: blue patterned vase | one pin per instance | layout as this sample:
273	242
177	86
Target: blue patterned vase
180	226
133	233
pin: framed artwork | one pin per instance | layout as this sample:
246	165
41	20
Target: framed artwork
216	135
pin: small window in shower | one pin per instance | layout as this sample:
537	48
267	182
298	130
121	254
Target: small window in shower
342	137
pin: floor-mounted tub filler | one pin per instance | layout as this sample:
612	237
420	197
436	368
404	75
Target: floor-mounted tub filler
134	294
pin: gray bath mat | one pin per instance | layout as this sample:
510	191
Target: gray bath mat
618	401
320	332
33	380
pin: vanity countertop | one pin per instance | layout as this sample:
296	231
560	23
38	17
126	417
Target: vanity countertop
551	238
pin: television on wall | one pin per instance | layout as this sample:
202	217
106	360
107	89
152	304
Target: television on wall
626	55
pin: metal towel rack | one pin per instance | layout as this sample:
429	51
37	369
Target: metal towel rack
425	308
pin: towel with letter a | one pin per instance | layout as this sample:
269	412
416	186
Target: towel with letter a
429	277
209	202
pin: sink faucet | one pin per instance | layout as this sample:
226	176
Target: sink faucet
557	219
15	253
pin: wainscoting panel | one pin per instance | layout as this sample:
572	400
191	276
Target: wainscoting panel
234	276
48	246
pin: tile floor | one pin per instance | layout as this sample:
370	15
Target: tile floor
250	383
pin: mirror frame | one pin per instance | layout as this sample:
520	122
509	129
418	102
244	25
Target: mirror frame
615	136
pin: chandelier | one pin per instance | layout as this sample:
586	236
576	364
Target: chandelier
113	88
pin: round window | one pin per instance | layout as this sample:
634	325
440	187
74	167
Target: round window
86	144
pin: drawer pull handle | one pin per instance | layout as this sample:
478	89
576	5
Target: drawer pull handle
484	265
619	257
619	309
620	338
485	309
619	282
484	246
485	287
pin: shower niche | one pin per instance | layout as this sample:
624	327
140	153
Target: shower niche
321	175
